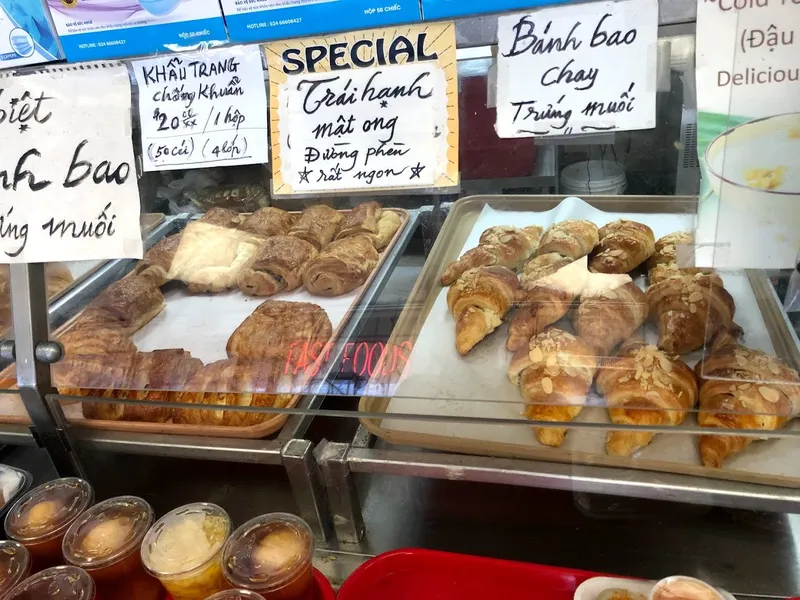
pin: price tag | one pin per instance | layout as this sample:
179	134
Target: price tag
578	69
203	110
369	110
68	178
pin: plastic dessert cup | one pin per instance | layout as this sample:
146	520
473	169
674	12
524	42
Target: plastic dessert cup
40	518
15	565
56	583
236	595
184	550
271	555
106	542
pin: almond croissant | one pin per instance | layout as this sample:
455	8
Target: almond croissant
606	318
689	310
664	261
572	238
554	376
478	301
624	245
643	385
742	388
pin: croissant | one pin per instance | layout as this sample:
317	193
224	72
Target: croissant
644	386
742	388
278	266
268	222
363	219
222	217
664	261
478	301
236	383
92	375
341	267
572	238
554	376
57	278
543	302
95	341
157	261
127	305
388	225
689	310
623	246
499	246
609	317
317	225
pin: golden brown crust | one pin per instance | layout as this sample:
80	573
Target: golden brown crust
222	217
57	278
388	225
363	219
268	222
126	305
277	328
92	375
644	386
623	246
95	341
742	388
663	264
499	246
235	383
572	238
341	267
609	317
478	301
157	261
689	310
554	379
317	225
278	266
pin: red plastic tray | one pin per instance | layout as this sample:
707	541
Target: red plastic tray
322	588
429	575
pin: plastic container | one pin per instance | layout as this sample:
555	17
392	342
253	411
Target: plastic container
680	587
10	492
184	550
236	595
55	583
40	518
601	177
271	555
106	542
15	565
425	574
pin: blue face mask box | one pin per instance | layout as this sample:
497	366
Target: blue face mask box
26	35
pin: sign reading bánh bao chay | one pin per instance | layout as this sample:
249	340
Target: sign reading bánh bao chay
69	186
577	69
366	110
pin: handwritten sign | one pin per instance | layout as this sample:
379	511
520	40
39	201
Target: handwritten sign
201	111
369	110
69	187
578	69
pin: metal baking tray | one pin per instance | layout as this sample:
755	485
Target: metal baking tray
449	245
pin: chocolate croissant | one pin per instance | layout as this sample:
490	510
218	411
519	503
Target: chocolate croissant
742	388
573	239
268	222
362	220
126	306
644	386
341	267
478	302
623	246
606	318
317	225
689	310
554	376
278	266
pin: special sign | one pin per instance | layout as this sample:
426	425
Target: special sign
367	110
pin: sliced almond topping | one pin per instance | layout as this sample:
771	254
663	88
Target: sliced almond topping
664	362
695	297
553	371
692	308
616	253
551	360
558	234
536	355
648	360
547	385
610	295
771	395
741	360
774	369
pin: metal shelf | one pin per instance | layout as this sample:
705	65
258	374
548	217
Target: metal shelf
16	435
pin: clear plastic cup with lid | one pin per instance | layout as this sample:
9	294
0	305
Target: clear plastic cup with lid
236	595
106	541
15	564
55	583
184	550
40	518
271	555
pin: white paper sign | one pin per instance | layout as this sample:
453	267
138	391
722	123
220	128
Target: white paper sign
69	187
577	69
203	110
388	129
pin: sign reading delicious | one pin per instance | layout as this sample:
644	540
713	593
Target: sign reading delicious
369	110
577	69
69	188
